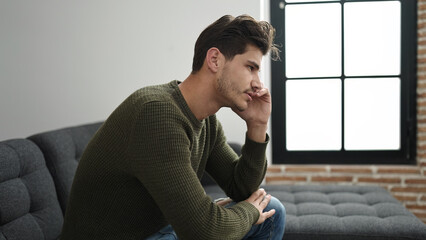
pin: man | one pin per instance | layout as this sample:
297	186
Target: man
139	176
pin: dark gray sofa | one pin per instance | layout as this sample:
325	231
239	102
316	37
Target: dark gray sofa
36	176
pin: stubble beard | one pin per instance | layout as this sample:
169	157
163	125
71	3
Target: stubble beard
229	91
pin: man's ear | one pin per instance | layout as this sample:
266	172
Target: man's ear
213	59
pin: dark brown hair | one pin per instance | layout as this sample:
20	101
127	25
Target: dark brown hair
231	35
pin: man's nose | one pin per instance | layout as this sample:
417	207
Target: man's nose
256	84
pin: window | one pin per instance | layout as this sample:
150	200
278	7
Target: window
345	90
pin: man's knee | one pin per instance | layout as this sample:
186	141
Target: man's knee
278	206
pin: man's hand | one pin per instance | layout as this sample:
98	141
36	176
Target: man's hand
259	108
257	114
260	200
223	201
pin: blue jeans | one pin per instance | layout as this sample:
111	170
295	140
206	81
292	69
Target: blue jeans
271	229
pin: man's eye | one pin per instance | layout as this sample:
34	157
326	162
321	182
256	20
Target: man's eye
251	68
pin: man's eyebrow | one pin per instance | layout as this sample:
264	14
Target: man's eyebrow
254	64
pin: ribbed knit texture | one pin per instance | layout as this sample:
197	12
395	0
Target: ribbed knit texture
141	172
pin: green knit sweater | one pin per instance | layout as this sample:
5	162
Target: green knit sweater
142	171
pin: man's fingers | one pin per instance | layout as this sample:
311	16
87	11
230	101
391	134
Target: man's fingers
265	201
260	200
265	215
258	195
262	92
223	202
268	214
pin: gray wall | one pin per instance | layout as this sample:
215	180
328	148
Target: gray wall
64	63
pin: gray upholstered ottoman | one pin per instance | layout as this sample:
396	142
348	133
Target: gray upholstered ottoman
342	212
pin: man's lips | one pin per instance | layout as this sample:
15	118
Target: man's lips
250	95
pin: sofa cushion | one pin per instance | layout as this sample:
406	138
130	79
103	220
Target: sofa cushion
62	150
29	208
342	212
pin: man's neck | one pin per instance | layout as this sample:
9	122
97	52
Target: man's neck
199	94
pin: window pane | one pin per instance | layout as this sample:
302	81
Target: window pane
313	114
372	38
372	114
313	40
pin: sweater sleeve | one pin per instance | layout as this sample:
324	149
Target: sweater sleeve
238	176
159	155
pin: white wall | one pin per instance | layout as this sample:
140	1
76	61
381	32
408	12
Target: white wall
64	63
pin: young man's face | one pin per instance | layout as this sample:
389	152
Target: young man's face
239	78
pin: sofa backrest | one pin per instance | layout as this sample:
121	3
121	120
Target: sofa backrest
29	208
62	151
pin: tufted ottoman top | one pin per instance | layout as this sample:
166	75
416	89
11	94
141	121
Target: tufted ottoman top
342	212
